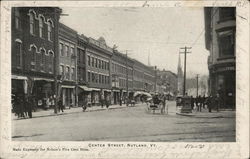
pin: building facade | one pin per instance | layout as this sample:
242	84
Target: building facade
34	52
67	65
169	80
220	27
121	71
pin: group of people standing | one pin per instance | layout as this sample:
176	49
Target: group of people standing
22	106
205	102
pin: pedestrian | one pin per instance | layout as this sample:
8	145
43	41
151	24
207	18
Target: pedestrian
217	101
199	103
163	104
107	101
60	105
102	100
192	102
209	103
52	101
29	106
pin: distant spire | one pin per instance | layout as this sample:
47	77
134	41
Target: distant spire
149	59
179	77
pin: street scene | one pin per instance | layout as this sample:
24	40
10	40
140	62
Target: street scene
123	74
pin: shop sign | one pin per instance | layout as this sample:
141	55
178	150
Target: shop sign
222	69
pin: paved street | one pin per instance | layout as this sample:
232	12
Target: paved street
126	124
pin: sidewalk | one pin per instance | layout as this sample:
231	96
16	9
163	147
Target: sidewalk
50	112
213	114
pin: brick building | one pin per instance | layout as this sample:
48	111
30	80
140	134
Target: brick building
34	51
220	27
67	64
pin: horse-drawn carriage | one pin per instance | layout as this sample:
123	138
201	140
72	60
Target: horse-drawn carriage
155	106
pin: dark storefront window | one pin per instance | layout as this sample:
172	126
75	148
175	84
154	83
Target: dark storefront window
226	41
226	13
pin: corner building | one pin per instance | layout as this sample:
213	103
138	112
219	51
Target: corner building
34	51
220	27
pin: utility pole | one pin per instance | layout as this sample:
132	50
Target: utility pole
155	78
127	75
185	56
197	80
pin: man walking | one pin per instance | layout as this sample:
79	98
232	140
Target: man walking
60	105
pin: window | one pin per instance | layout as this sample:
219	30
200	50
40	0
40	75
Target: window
51	54
67	73
41	27
72	73
88	60
93	77
17	19
100	78
49	31
43	59
62	70
61	49
226	43
72	51
18	54
107	65
93	62
96	63
226	13
67	50
32	28
78	55
89	76
99	63
102	65
33	57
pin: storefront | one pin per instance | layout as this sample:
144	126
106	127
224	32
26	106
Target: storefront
68	95
116	96
223	83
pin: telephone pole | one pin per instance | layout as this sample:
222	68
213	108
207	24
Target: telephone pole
185	56
197	80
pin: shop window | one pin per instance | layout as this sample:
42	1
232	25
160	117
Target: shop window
17	19
226	41
226	13
49	30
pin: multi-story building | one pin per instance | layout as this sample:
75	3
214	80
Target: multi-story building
169	80
220	29
122	74
34	51
67	64
97	56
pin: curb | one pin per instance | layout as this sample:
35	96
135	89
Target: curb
49	115
196	116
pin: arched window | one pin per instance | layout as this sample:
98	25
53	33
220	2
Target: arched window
32	23
17	19
18	53
33	57
49	31
41	26
51	63
43	59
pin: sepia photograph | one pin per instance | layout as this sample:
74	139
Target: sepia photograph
123	74
124	79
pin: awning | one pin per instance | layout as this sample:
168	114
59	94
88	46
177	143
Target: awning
18	77
85	88
137	93
43	79
115	90
95	89
67	86
107	90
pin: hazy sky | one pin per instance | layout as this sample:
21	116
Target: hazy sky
159	32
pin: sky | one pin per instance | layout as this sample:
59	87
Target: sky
148	33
